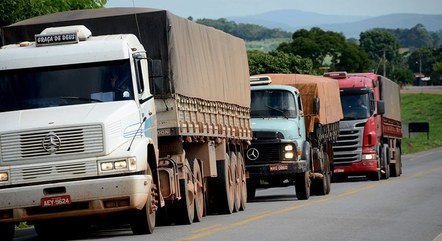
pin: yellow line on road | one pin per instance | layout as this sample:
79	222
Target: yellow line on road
210	230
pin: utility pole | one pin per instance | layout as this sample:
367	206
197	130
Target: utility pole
385	60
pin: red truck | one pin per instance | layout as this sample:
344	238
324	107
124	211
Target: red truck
369	141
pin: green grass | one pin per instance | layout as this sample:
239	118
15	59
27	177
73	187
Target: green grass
422	108
266	45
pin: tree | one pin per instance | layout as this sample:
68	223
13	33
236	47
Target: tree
352	59
326	48
248	32
277	62
378	43
12	11
421	60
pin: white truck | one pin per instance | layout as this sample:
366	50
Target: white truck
130	112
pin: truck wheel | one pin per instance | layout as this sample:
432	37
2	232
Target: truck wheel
242	182
186	205
235	176
385	160
251	189
7	231
225	190
302	185
395	168
374	176
199	191
322	186
143	221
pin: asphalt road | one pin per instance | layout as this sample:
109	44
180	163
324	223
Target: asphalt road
408	207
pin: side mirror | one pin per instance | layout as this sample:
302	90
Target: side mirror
316	106
156	80
381	107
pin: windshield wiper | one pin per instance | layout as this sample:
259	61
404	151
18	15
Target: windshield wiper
276	109
256	114
79	98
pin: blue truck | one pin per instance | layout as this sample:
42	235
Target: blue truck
295	121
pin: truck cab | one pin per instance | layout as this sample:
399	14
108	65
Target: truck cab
76	117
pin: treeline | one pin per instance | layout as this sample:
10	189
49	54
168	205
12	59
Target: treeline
248	32
416	37
400	53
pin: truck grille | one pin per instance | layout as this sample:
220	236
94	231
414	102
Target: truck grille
267	154
50	143
347	148
44	172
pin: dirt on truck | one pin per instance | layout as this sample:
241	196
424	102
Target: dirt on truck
179	132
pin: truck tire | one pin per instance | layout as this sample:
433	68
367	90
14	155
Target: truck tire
251	189
226	192
319	186
242	182
374	176
143	221
302	185
236	179
385	162
7	231
327	174
395	168
199	190
186	205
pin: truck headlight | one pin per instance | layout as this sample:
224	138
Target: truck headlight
107	166
288	148
120	165
289	155
368	156
4	176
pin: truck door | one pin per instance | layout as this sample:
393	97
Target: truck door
145	97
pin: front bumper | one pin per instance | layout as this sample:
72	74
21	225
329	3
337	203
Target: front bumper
88	197
282	169
355	168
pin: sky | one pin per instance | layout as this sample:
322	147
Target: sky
227	8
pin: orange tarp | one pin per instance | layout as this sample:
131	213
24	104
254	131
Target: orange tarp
311	86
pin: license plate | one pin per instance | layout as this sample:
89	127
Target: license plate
56	201
278	167
338	170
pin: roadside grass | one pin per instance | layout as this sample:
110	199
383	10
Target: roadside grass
421	108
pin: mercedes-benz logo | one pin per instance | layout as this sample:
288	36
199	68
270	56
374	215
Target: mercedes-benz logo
252	154
51	143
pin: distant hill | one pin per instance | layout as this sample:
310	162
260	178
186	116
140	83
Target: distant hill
350	26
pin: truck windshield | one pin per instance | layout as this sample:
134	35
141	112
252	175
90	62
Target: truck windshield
355	106
32	88
272	103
